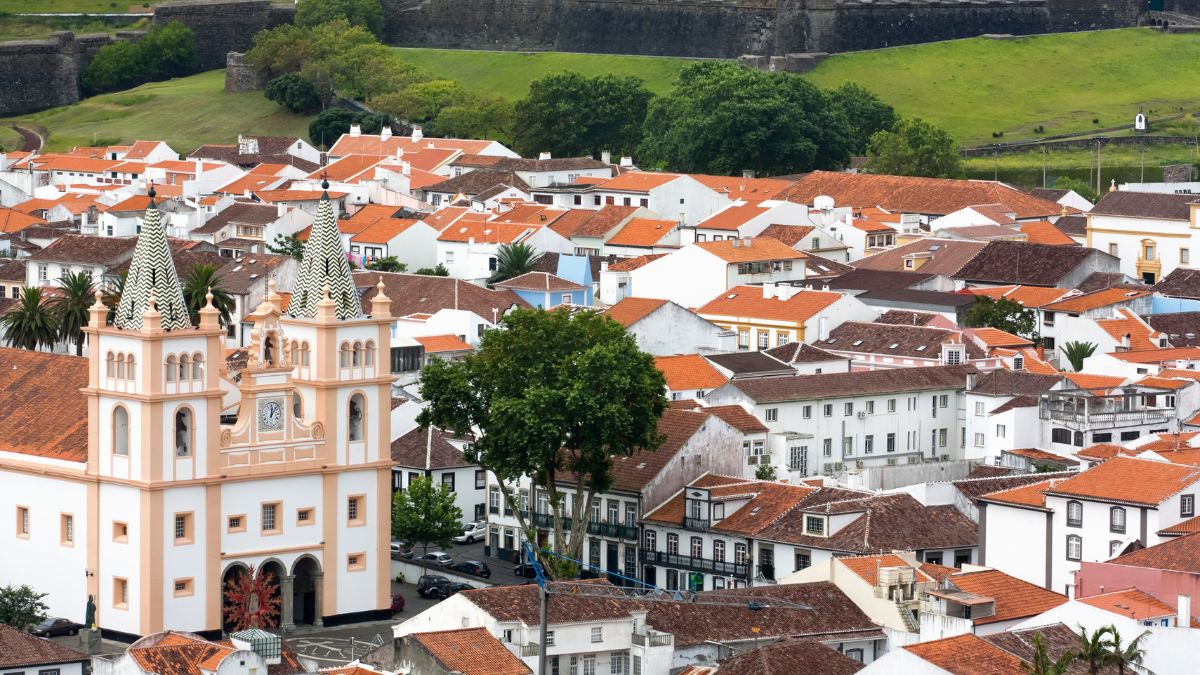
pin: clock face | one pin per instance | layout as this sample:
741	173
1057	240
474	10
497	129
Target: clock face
270	415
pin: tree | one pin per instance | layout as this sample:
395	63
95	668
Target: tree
723	118
864	111
165	51
332	123
112	296
570	115
280	50
290	246
200	281
252	600
554	397
1081	187
1125	657
76	293
365	13
170	50
914	147
1003	314
388	264
1041	663
482	118
118	65
1076	352
21	607
425	514
30	323
765	472
439	271
513	260
1094	647
294	93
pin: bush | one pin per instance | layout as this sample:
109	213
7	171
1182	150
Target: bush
334	122
162	53
294	93
365	13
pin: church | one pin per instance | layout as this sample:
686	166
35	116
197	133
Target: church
144	477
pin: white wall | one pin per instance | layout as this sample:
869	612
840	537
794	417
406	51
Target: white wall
1016	543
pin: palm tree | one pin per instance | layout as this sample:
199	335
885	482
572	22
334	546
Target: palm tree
1094	648
1128	655
112	296
76	293
196	285
513	260
1041	663
1076	352
31	323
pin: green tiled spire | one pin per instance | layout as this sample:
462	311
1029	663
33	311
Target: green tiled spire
152	272
324	265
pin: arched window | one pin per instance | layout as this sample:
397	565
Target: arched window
297	405
197	366
1074	514
356	409
120	431
184	367
110	367
369	354
345	356
1074	547
184	429
170	369
130	369
357	354
304	354
120	366
1116	519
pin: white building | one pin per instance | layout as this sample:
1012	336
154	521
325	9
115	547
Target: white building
1151	232
438	455
663	328
697	273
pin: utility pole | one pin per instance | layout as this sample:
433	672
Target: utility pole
1099	189
545	619
1043	165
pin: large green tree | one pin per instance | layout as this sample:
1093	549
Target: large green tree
569	115
365	13
425	514
1003	314
865	113
70	304
21	606
294	93
553	397
31	322
914	147
197	284
165	51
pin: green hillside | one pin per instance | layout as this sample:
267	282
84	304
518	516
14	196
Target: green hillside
185	112
509	74
1062	82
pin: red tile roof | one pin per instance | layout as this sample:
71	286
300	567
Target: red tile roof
1129	480
471	651
18	648
1032	494
1181	528
689	371
1044	232
1098	382
443	343
1158	355
383	230
43	411
629	311
1180	555
487	232
732	217
967	655
739	418
642	232
1096	300
539	281
14	221
739	187
637	181
867	566
1015	599
274	196
994	337
748	301
376	145
630	264
1130	603
750	250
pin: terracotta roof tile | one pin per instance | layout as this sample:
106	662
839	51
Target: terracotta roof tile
275	196
1097	382
801	352
1129	480
867	566
476	182
1181	528
739	418
1032	494
1039	455
1096	300
1130	603
539	281
834	385
1158	355
994	337
941	256
967	655
732	217
487	232
1044	232
904	194
45	414
1015	599
740	187
1181	555
375	144
1002	382
789	657
750	250
638	181
1182	328
689	371
18	648
1182	282
383	230
902	317
748	301
630	264
629	311
418	293
895	340
443	343
642	232
1023	263
587	223
787	234
12	220
1160	206
471	651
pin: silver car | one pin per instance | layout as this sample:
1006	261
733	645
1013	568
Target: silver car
437	558
471	533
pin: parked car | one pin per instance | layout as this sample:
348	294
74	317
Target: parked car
401	550
438	558
444	591
472	532
525	570
397	603
479	569
428	582
56	625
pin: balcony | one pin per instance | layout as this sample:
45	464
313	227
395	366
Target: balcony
652	638
1097	413
695	564
600	529
530	649
696	524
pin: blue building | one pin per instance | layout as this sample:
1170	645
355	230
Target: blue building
545	290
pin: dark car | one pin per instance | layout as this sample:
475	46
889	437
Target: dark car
479	569
428	582
397	603
525	570
56	625
447	590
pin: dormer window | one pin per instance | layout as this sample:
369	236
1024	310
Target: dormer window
1018	363
814	525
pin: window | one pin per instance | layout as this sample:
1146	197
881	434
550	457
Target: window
630	514
743	339
494	500
869	444
891	405
236	523
849	409
891	442
764	339
1074	547
953	357
589	661
798	458
1148	251
356	562
183	588
1116	520
1074	514
355	410
847	445
620	664
183	528
597	634
448	480
183	432
856	654
697	549
356	510
827	447
549	638
803	559
120	593
979	408
772	414
1112	249
480	479
120	532
120	431
269	523
739	554
1060	435
67	529
719	550
1185	256
942	437
1000	431
1187	506
980	440
782	337
827	410
672	543
23	522
651	540
814	525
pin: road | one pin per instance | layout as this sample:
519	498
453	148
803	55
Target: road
31	141
502	572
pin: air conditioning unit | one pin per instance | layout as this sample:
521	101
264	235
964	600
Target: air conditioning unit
914	460
859	463
862	414
752	459
891	461
945	458
838	466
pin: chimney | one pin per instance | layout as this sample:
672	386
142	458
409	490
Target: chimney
280	210
417	133
825	287
355	130
199	168
823	328
747	173
470	241
606	157
785	292
1183	611
1125	341
406	168
543	156
626	162
1041	352
768	290
385	133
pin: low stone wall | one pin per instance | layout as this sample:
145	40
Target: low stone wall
241	77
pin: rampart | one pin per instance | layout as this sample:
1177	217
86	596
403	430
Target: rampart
223	26
40	74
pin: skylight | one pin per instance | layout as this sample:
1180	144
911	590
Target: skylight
921	348
893	345
857	343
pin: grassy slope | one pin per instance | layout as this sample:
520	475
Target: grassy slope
35	27
9	139
978	86
509	74
54	6
186	112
